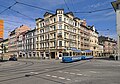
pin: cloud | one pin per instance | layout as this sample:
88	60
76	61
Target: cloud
95	5
100	4
18	19
110	13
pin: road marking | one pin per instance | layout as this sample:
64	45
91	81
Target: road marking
54	76
72	73
66	72
68	79
34	73
47	75
60	71
93	72
76	69
31	72
61	78
80	74
46	69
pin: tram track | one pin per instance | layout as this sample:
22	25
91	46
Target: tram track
26	64
23	68
42	71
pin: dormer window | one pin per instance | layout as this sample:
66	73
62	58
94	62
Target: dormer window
43	24
60	18
60	11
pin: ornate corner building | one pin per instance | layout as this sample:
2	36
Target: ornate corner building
58	33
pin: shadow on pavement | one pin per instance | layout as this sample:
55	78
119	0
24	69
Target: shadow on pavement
105	58
3	60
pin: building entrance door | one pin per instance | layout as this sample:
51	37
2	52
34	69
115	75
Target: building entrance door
52	55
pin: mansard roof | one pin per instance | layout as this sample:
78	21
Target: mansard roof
71	13
47	13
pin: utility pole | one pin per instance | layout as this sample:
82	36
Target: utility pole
116	6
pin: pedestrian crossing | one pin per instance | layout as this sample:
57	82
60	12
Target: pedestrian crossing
71	75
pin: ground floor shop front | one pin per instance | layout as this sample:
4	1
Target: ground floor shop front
50	54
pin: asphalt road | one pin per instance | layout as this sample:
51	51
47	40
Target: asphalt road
26	71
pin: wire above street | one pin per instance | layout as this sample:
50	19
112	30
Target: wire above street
93	11
35	7
8	7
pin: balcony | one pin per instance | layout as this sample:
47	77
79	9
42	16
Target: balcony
60	47
59	35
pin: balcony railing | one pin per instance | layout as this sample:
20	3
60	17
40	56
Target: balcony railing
59	35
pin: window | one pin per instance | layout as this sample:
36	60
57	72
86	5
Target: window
54	19
60	18
37	25
60	43
65	27
54	27
54	44
60	34
60	27
40	25
109	44
75	23
48	36
65	19
65	43
54	35
64	35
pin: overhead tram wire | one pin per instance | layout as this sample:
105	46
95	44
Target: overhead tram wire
8	8
17	12
94	10
67	6
13	21
22	14
101	10
73	5
35	7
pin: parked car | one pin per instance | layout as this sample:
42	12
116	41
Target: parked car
12	58
1	58
112	57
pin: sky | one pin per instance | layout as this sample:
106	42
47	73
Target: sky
104	21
